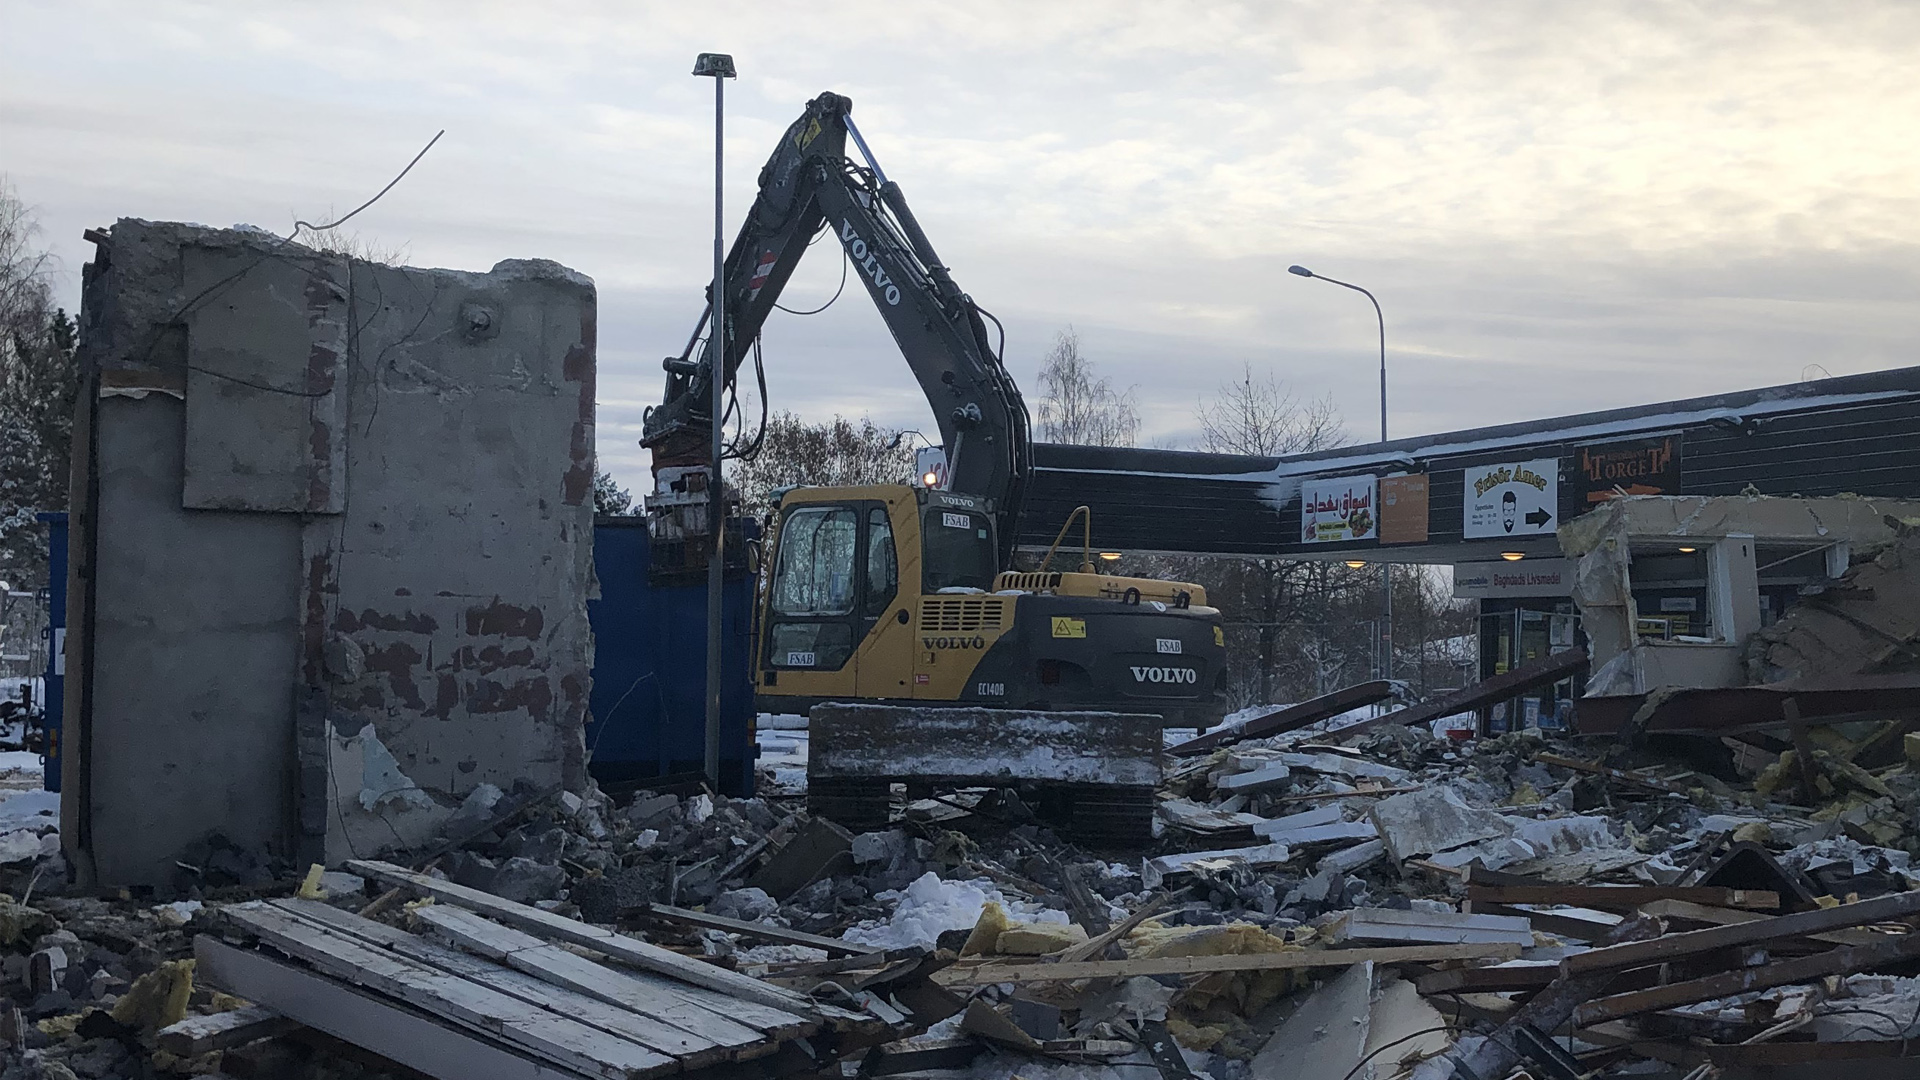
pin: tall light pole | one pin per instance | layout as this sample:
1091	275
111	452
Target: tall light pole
1386	569
719	67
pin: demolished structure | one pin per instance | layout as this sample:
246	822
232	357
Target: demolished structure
327	812
331	549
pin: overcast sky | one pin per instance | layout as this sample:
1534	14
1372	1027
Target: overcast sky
1560	206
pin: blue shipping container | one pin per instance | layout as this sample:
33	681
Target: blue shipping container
56	673
649	670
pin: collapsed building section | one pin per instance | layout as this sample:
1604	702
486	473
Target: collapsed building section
330	553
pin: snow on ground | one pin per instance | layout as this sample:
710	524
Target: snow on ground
930	907
29	809
783	752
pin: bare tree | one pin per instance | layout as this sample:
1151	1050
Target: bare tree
1078	407
1281	606
795	453
1263	418
39	383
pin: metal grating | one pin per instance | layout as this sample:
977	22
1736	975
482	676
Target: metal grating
961	614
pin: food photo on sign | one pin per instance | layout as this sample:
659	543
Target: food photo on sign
1337	508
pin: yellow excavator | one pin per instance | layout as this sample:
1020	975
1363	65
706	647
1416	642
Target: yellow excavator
905	595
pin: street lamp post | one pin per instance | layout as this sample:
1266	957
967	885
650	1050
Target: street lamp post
1386	569
719	67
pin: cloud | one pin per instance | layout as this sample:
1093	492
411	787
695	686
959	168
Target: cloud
1560	206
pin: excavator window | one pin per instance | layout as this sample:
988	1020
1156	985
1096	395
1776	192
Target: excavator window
814	587
959	552
883	565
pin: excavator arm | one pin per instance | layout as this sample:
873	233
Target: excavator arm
809	185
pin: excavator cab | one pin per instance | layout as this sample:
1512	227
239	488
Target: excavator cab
893	594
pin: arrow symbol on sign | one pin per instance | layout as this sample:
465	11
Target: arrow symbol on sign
1538	517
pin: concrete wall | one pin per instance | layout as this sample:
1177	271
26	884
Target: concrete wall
334	567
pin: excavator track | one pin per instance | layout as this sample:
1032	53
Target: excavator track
1091	774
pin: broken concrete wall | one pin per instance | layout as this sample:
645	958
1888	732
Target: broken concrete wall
339	511
1730	529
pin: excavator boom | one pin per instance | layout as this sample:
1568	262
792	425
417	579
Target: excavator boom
809	186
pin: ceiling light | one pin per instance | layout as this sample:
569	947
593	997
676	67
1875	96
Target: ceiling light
1356	563
1513	556
1110	556
1688	551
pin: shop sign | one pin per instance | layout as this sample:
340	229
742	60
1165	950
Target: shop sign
1334	509
1640	467
1528	577
1403	509
1518	498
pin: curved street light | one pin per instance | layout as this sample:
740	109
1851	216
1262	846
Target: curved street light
1386	569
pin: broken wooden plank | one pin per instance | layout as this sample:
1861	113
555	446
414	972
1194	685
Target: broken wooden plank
1096	946
760	931
1503	687
985	974
1683	911
1845	960
1545	1011
1291	718
1620	897
552	964
1695	942
628	950
558	1039
1523	975
659	1035
1623	775
389	1029
1427	927
198	1035
1574	924
811	968
1356	793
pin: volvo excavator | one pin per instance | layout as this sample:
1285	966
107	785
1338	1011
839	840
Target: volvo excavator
905	595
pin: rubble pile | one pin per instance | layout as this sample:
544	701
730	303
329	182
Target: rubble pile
1437	904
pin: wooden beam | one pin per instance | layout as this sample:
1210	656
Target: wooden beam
1695	942
1624	776
405	1035
758	931
987	974
1620	897
198	1035
1541	672
1290	718
558	967
648	1031
1683	911
1846	960
627	950
1095	947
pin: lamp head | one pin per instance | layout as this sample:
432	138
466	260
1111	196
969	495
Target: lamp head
719	65
1300	270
